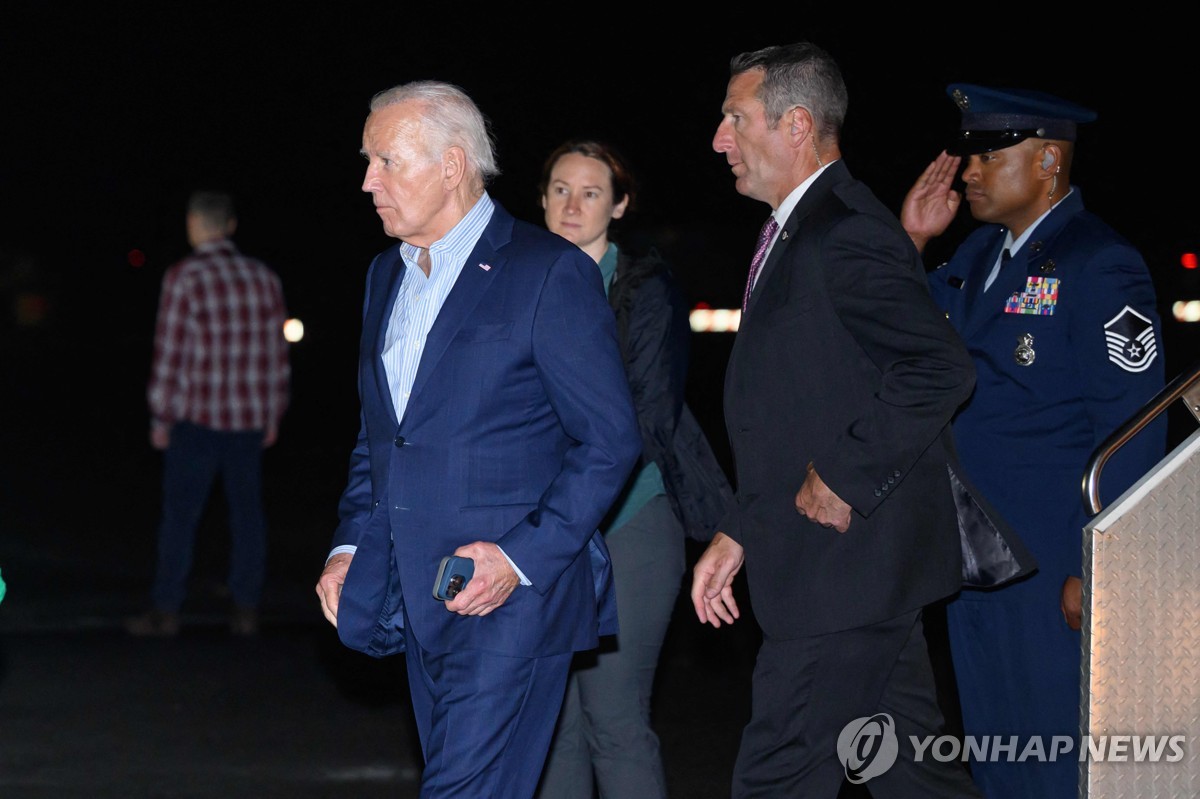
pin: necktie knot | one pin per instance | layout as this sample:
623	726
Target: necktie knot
760	252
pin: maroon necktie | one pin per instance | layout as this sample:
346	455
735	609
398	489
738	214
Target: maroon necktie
760	255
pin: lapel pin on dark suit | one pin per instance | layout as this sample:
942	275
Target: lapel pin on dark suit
486	267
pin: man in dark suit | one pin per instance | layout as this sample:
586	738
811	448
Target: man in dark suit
497	425
838	394
1059	314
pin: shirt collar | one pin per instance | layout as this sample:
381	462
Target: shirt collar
789	203
462	236
1012	245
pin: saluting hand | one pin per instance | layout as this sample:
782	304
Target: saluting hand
930	205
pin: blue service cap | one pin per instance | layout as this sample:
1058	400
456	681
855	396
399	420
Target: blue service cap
993	119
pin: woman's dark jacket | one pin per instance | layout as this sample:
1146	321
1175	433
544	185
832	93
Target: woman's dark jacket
652	325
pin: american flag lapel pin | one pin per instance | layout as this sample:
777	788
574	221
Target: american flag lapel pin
486	267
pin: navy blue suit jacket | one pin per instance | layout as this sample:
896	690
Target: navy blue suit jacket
519	430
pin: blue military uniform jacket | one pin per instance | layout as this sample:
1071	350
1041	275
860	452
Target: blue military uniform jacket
1067	345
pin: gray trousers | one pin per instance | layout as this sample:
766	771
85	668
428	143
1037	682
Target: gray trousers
604	740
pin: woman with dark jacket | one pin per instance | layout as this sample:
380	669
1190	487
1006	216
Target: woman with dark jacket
604	738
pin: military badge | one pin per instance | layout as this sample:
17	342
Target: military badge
1130	339
1039	298
1024	354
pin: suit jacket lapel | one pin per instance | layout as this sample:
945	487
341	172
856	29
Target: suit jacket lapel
468	289
813	197
388	276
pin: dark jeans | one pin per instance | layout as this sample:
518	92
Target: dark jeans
192	460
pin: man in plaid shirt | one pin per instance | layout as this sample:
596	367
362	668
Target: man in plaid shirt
217	391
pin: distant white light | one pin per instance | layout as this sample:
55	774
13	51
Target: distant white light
293	330
1186	310
715	320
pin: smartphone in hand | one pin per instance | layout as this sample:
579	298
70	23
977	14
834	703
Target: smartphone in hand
452	576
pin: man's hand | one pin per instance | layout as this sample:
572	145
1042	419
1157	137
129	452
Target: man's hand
930	205
1072	602
329	585
490	586
816	501
712	581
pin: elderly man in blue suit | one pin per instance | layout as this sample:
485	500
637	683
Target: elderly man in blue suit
496	425
1058	311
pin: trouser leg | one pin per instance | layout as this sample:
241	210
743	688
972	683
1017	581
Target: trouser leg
648	565
241	466
568	772
485	720
807	691
189	465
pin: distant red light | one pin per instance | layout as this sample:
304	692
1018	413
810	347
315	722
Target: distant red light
136	258
702	305
1189	261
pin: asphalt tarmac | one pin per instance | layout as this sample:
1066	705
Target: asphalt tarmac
87	712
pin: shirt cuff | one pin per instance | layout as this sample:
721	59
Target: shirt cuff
521	574
348	549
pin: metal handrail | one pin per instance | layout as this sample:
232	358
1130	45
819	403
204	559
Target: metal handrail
1184	387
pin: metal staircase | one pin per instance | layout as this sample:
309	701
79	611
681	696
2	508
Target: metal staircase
1140	696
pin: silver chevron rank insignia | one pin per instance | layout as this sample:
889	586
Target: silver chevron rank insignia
1130	340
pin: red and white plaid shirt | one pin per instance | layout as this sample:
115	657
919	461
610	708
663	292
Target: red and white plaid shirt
220	357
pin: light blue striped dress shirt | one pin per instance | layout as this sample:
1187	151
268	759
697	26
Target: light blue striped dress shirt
421	298
418	303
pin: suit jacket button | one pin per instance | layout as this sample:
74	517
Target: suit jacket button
878	493
896	473
399	441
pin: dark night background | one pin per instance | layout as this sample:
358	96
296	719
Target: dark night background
112	113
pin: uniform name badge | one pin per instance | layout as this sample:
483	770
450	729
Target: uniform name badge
1039	298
